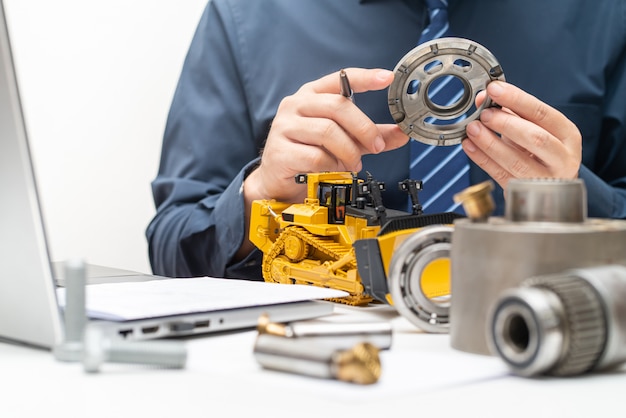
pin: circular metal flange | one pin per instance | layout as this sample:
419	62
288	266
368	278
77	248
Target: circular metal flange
414	112
405	278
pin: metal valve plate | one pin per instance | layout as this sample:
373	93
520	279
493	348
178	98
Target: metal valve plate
464	62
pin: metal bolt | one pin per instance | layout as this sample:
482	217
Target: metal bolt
100	348
74	313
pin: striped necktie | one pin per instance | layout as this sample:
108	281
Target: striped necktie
443	170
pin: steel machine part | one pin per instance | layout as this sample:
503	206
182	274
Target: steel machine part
454	58
547	201
544	231
74	315
359	364
339	334
563	324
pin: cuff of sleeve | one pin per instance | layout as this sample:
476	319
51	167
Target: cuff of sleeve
600	196
231	228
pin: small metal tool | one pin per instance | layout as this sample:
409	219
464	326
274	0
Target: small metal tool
346	90
338	334
100	348
75	319
359	364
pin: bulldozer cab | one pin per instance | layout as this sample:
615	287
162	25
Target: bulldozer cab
335	197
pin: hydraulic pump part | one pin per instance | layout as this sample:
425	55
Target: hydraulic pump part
546	231
423	70
562	324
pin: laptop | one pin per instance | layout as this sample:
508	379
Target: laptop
29	310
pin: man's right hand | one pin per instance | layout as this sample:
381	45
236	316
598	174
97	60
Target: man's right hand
317	129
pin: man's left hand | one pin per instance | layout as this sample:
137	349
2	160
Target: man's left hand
526	138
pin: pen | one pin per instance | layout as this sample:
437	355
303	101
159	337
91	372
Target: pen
346	91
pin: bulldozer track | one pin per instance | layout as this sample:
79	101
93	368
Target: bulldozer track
332	251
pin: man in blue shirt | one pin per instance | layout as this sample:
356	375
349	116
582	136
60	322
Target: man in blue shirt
261	77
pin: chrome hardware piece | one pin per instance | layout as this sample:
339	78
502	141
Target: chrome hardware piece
563	324
359	364
337	334
100	348
74	315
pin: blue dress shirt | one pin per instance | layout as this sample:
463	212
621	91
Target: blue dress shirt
246	56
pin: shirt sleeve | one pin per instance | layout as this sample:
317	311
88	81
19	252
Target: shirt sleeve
208	149
603	200
606	183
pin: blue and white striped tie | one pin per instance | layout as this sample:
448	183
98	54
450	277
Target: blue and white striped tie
443	170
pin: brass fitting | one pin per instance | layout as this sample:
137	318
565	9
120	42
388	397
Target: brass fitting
477	201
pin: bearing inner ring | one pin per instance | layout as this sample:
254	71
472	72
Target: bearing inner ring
409	102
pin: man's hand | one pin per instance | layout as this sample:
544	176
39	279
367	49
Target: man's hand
525	139
318	129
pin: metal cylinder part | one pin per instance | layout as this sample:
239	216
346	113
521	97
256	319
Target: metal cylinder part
492	256
549	200
100	348
74	314
338	334
359	364
563	324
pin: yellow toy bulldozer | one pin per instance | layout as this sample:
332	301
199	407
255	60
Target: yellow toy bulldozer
342	237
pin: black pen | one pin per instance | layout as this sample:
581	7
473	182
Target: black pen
346	91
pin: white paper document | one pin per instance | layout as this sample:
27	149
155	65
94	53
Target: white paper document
155	298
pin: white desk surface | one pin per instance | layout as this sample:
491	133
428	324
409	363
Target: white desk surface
421	375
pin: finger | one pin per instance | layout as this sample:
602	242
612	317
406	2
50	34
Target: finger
298	158
534	110
524	133
495	171
315	159
326	133
480	98
348	116
498	158
394	136
278	169
361	80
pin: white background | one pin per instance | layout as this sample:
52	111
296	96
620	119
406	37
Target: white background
97	79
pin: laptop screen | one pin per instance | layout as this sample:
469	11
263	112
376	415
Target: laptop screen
29	311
